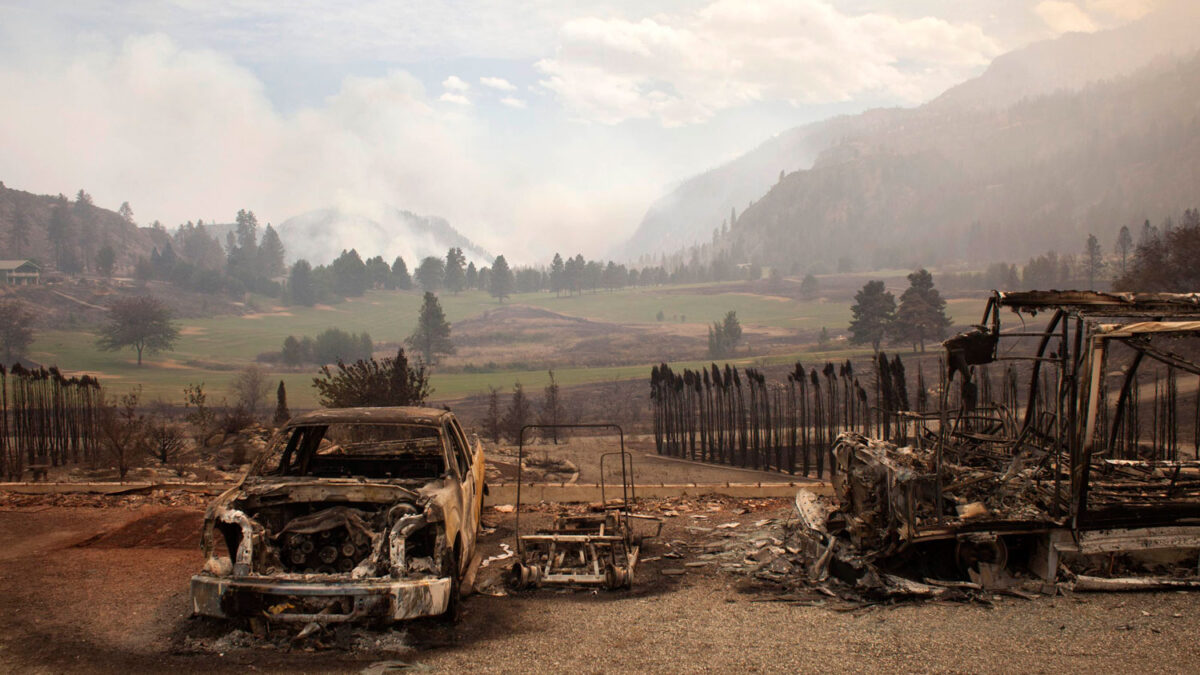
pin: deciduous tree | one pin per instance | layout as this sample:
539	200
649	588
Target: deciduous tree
250	389
371	383
431	274
16	328
141	322
809	287
122	431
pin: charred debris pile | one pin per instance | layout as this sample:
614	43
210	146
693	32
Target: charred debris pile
1090	483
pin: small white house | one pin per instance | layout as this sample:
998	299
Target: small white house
20	272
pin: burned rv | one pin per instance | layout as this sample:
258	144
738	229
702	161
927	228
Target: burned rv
1088	467
351	514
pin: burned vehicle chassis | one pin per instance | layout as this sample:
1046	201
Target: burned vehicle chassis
348	528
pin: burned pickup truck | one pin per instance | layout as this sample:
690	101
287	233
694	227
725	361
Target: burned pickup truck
350	514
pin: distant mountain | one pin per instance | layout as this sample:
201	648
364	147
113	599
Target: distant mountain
1074	60
320	236
986	184
689	213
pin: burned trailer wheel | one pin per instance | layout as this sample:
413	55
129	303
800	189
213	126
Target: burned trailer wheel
973	550
521	576
616	577
593	550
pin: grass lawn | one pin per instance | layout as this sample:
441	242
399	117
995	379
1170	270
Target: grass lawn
213	350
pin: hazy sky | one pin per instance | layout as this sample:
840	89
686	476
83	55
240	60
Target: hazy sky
532	126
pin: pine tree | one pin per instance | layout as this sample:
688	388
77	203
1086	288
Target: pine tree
872	315
724	336
400	276
501	279
18	236
1093	259
922	313
455	276
301	287
379	273
349	274
551	412
432	335
60	232
472	276
270	254
105	259
517	415
492	423
1124	245
557	275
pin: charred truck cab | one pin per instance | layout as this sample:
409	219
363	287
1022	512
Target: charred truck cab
351	514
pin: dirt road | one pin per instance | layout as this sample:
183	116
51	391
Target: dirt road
105	590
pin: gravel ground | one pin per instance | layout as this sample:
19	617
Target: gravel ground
110	595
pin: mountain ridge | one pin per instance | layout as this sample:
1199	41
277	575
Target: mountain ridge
688	213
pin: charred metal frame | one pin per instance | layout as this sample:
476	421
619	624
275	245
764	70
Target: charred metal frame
604	545
1082	350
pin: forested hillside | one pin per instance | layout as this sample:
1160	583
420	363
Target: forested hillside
67	234
987	185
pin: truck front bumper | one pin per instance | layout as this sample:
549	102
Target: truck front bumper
323	601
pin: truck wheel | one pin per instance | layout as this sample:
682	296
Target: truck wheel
454	606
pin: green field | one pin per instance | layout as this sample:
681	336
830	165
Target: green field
213	350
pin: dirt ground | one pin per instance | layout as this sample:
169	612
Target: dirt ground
101	586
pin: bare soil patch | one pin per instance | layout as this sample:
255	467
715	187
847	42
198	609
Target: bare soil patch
524	334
